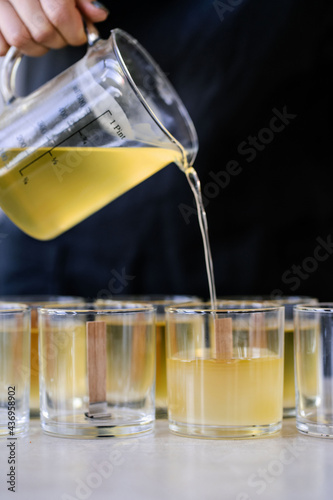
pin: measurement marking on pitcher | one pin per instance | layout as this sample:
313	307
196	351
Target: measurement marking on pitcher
84	137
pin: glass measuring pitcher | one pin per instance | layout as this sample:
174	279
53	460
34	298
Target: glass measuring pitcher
92	133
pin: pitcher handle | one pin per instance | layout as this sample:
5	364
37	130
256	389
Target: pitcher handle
8	73
12	59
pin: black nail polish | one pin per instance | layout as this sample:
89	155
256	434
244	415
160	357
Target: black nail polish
99	5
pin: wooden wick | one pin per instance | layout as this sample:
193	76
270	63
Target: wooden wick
34	318
96	354
223	338
257	331
139	348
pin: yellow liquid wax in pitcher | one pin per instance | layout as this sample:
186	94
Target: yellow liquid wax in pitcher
55	189
233	392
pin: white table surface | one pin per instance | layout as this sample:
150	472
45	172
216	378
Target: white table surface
163	466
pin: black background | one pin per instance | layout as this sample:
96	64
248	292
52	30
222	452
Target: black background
232	68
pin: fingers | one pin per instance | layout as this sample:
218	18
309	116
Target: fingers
95	11
66	19
34	26
14	32
34	31
3	45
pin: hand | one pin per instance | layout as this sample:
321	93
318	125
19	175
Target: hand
35	26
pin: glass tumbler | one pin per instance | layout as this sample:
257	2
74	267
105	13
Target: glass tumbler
35	301
97	370
225	369
14	369
314	369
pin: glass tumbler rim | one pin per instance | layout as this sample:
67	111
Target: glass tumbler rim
283	299
157	298
321	307
226	307
117	307
13	307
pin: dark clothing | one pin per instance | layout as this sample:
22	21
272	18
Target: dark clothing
256	79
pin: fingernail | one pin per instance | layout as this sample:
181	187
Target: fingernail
99	5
